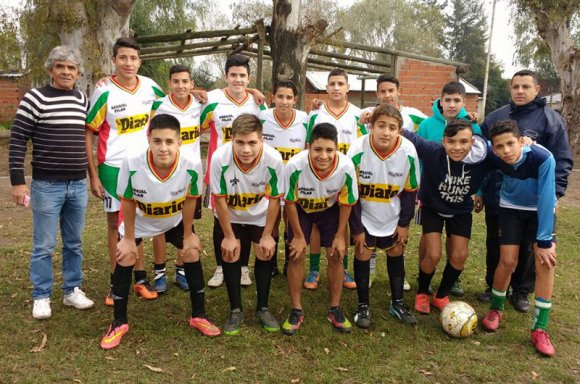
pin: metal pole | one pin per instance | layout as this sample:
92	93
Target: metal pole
487	60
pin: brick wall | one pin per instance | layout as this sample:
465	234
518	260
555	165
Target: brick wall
12	89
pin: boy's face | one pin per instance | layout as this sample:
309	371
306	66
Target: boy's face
237	79
523	90
127	62
385	132
337	88
451	104
458	146
164	144
180	84
285	99
508	147
322	154
388	92
247	147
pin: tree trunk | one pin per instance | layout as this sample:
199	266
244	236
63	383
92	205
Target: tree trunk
290	44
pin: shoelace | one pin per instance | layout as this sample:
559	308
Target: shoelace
493	314
338	315
543	338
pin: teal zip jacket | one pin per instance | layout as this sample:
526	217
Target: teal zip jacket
433	127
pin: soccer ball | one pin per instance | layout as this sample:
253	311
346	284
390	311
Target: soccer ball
458	319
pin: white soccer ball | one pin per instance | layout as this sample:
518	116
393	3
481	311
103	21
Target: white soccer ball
458	319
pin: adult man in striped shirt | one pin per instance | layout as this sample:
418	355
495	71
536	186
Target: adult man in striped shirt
53	117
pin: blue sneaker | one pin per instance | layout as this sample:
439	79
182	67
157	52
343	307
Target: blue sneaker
311	281
347	281
160	283
180	279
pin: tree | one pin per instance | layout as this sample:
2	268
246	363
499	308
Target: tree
10	58
553	20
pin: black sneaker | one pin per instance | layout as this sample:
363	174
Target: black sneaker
362	317
339	320
485	296
233	325
402	313
520	302
293	322
457	289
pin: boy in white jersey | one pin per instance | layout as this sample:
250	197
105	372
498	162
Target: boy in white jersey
159	189
344	116
247	183
220	110
180	104
388	178
321	188
285	130
119	113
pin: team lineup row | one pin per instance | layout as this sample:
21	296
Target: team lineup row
158	178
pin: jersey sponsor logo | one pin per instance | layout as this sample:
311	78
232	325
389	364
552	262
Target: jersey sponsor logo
343	147
226	134
243	201
161	210
131	124
189	134
287	153
380	193
365	174
313	205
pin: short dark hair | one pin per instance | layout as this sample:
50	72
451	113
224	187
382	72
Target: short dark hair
504	126
179	68
164	121
386	110
338	72
453	87
285	84
238	61
387	78
455	126
324	131
246	123
527	72
125	42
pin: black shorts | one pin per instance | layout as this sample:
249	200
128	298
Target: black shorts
517	226
327	222
385	242
458	225
241	231
173	236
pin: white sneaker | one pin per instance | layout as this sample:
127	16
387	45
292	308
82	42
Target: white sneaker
245	281
41	309
77	299
406	285
217	279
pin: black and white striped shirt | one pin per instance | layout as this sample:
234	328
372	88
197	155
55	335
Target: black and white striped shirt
55	121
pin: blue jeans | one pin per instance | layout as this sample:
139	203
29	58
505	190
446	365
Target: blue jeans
55	202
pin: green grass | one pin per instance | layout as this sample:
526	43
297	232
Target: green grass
159	335
5	125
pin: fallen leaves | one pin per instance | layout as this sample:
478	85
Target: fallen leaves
229	369
40	348
425	372
154	369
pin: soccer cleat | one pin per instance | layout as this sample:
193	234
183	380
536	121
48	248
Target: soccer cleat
491	321
362	317
41	309
268	321
457	289
181	281
338	320
160	283
293	322
233	324
144	289
541	340
245	281
347	281
406	285
109	302
440	303
422	304
203	325
77	299
311	281
402	313
217	279
485	296
114	335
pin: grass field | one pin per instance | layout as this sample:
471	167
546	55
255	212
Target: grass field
161	348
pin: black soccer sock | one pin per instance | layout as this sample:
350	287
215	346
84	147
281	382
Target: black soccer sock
245	250
218	236
274	259
263	275
396	270
111	279
424	281
450	276
232	276
121	286
140	275
159	269
194	277
362	272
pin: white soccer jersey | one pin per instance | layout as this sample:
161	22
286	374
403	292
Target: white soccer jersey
381	179
247	191
288	139
189	119
159	200
412	117
121	117
346	123
314	193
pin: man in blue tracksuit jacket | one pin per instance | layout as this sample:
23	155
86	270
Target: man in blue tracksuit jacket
546	127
